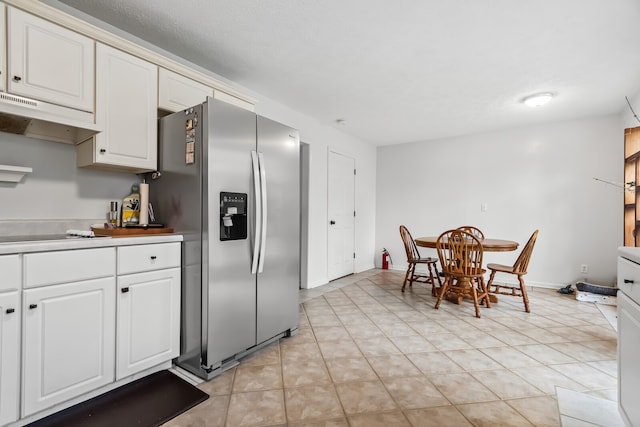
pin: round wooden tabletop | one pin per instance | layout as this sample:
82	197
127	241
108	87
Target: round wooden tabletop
488	245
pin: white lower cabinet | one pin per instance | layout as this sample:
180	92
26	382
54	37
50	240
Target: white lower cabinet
68	342
148	328
73	322
9	356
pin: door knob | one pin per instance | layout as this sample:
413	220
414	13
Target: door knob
332	222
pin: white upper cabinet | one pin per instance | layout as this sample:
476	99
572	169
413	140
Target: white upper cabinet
176	92
48	62
126	110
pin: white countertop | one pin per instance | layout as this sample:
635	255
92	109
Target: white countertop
630	253
82	243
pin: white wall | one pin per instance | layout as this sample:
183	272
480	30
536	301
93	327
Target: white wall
538	177
56	189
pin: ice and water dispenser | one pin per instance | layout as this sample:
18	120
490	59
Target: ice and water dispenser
233	216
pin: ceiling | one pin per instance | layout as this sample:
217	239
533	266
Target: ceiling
408	70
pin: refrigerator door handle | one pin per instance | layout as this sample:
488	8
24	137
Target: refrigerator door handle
257	238
263	195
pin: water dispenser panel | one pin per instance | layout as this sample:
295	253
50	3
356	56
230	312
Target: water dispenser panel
233	216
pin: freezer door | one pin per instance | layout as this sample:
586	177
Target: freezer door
231	287
278	283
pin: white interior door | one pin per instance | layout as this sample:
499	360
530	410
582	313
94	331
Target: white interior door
341	209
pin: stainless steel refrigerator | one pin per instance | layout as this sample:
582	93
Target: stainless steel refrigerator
229	182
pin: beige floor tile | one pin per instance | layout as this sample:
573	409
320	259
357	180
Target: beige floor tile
448	341
434	363
364	330
344	369
256	408
545	354
296	374
331	333
393	365
472	360
441	416
300	352
540	411
509	357
506	384
376	346
339	422
586	375
412	344
342	348
609	367
493	414
581	352
414	392
312	403
269	355
254	378
377	398
462	388
547	379
480	339
381	419
210	413
396	329
511	337
304	335
219	385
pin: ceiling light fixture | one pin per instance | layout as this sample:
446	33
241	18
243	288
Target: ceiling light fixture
538	99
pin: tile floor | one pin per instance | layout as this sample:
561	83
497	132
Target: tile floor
368	355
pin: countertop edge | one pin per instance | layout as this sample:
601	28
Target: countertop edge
97	242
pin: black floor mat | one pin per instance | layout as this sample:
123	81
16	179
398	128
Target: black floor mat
149	401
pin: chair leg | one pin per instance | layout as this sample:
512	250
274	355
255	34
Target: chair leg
443	290
411	279
485	293
474	293
523	290
406	276
490	282
435	267
431	279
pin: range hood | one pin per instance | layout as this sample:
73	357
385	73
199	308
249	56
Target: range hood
43	120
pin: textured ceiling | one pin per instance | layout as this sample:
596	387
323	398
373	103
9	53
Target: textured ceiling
407	70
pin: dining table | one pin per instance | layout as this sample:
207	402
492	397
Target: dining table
488	245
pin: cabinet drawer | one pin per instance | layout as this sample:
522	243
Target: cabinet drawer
48	268
139	258
629	278
9	272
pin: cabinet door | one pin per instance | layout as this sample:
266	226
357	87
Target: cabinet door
127	99
176	92
49	62
628	350
148	328
69	341
9	356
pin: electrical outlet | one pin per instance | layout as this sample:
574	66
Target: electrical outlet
584	268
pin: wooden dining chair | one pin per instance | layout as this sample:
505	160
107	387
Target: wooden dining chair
413	259
519	268
460	254
473	230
